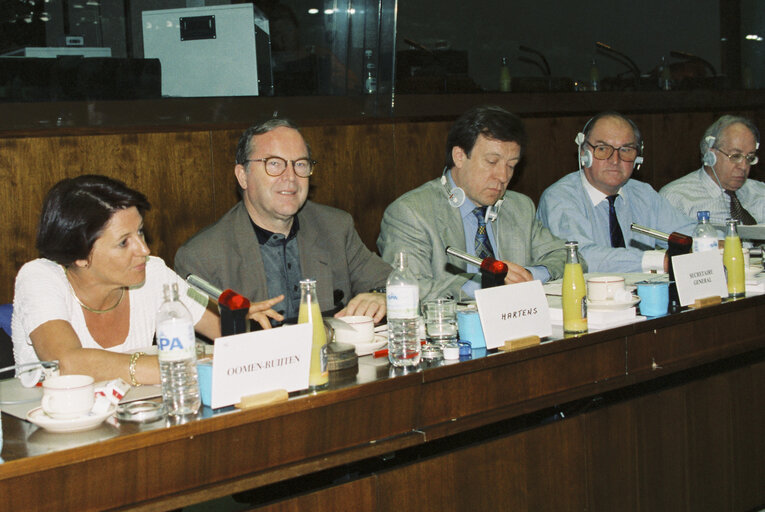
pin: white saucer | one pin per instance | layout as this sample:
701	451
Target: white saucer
363	349
88	422
609	305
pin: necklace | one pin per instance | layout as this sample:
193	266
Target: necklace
93	310
99	311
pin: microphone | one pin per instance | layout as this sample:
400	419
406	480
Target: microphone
611	52
493	271
546	69
689	56
677	243
233	307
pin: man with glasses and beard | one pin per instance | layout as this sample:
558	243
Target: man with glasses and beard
274	237
722	185
596	204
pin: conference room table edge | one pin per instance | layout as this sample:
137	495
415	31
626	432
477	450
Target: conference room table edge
227	453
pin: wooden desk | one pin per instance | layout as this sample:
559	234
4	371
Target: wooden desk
666	414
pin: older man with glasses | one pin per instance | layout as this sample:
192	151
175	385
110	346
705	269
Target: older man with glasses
274	237
597	204
722	185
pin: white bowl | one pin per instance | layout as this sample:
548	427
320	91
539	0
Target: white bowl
362	330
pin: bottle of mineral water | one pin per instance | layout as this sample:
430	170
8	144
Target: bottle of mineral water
403	305
705	234
177	355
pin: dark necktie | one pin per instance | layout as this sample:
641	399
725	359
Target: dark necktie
482	244
737	210
617	238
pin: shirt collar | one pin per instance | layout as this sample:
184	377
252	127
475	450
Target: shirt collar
264	235
596	196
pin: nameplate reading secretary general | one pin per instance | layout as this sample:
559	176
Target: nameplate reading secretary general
470	208
274	236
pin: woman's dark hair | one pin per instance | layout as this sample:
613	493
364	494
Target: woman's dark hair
490	121
75	213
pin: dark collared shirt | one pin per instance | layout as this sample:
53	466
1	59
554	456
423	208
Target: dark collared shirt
281	261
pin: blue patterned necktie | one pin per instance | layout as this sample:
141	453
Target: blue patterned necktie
482	245
617	237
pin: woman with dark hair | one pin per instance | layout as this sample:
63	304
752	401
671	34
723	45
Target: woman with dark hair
91	300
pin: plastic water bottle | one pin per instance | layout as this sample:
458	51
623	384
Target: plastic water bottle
177	355
705	234
403	305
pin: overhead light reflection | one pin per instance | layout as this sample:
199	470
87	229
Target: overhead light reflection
313	11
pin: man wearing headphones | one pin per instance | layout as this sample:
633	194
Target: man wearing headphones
597	204
469	208
721	185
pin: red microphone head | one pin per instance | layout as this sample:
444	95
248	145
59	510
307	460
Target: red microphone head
494	266
233	300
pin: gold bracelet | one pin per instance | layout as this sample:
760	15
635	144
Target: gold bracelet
131	369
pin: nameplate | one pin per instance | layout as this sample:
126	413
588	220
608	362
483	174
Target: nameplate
513	311
699	275
256	362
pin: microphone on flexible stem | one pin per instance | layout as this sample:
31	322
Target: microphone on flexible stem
233	307
611	52
33	372
677	243
493	271
689	56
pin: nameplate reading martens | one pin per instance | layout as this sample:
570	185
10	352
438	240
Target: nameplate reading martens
513	311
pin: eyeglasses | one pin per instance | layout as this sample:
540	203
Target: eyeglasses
737	158
604	152
276	165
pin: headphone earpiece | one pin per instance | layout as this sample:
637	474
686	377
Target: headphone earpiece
637	163
585	159
709	157
455	196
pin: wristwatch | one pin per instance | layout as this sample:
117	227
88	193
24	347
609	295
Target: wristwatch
379	289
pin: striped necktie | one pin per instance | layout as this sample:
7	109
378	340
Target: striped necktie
482	245
737	210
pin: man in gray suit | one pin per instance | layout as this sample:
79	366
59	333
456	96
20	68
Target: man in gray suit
274	237
470	208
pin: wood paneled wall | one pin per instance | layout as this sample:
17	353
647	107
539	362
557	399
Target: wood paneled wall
188	174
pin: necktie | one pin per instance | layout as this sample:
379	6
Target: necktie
482	245
737	210
617	238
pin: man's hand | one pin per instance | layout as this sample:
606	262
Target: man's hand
261	312
516	274
369	304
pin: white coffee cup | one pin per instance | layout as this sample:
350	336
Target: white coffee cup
363	330
68	396
604	288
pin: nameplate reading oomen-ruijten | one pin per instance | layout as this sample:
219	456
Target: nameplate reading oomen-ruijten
513	311
699	275
255	362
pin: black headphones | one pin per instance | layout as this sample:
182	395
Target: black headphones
585	159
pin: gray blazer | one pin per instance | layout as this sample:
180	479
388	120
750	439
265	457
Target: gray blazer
423	224
227	254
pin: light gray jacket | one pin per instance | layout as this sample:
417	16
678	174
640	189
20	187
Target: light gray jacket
423	224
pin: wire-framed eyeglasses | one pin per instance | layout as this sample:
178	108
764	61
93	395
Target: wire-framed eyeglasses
604	151
276	165
737	158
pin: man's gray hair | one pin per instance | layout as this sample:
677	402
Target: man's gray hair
245	146
716	128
